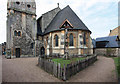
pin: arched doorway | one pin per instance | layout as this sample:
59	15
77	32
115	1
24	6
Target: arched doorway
17	50
42	51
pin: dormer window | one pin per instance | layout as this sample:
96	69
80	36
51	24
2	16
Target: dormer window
28	6
66	24
17	2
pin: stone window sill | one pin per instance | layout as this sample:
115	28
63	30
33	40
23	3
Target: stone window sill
71	47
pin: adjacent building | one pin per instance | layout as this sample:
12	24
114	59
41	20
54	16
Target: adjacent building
115	31
109	45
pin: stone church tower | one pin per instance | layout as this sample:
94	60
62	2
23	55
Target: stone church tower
21	28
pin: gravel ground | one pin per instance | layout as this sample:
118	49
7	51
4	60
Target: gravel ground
25	70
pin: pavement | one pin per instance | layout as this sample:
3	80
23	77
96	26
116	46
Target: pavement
25	70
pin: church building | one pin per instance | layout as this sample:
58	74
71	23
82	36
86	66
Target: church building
28	37
51	29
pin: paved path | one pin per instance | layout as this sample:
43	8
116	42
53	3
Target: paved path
25	70
102	70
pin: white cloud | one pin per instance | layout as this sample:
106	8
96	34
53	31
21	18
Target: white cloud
3	14
98	15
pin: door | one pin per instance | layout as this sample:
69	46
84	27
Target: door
17	52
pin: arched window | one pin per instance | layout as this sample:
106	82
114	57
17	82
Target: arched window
71	41
15	33
17	2
19	33
56	40
84	38
28	5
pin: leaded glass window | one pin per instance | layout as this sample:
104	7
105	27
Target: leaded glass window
71	43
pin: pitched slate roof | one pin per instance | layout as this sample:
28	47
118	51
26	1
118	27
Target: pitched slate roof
111	41
102	39
66	13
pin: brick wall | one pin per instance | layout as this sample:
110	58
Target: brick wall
107	51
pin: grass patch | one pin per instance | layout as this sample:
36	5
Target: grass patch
63	61
117	64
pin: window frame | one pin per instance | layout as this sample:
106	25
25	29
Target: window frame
71	39
18	33
56	40
15	33
84	38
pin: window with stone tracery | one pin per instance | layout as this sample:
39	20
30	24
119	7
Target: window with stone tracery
84	38
56	40
71	40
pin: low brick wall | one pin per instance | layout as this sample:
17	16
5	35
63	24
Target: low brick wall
65	72
108	51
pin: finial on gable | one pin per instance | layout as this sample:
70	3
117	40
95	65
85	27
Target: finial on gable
58	5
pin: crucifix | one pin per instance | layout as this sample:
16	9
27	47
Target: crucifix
66	44
66	25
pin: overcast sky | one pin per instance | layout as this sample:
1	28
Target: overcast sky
100	16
